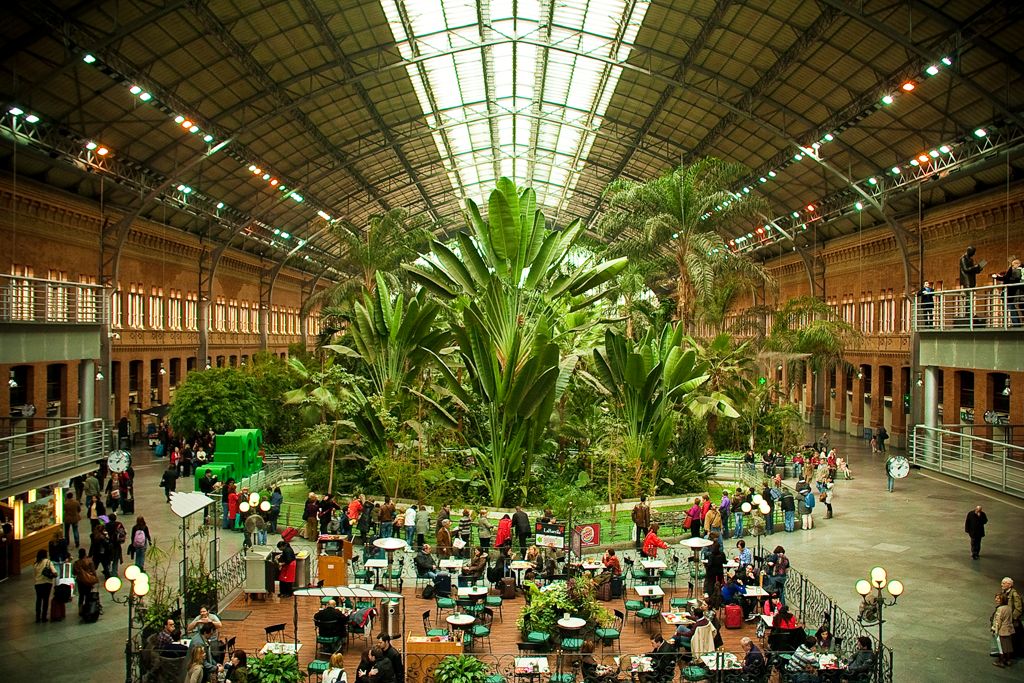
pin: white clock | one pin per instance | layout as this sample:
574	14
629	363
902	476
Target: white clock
118	461
899	466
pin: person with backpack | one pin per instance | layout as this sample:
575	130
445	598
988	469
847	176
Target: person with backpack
117	535
788	505
807	510
140	541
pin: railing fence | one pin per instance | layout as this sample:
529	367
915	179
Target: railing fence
995	464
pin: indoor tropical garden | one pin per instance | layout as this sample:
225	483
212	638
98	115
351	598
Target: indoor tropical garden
516	361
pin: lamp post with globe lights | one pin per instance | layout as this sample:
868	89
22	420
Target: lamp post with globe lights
876	583
254	503
138	588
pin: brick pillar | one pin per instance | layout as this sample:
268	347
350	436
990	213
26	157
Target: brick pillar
37	391
5	391
900	386
877	417
164	382
1016	406
839	411
950	397
145	377
984	400
857	409
69	394
121	405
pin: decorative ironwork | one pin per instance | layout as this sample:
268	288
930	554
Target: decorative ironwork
230	574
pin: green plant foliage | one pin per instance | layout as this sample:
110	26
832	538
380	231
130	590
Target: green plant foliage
580	499
223	399
274	668
505	279
576	596
461	669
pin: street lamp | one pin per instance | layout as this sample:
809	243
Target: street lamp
138	588
254	503
877	583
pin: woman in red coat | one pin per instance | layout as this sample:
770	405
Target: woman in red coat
232	505
652	542
504	537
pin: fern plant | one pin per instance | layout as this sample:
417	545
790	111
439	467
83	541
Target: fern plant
460	669
274	668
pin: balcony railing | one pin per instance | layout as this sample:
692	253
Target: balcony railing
31	455
29	300
999	307
995	464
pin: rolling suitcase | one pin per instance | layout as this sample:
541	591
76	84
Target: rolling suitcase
92	608
617	585
57	609
290	533
508	588
733	616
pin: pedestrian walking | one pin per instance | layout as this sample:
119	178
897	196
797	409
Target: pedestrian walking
974	526
72	516
169	481
829	495
1002	631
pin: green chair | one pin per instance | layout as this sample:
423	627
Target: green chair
481	632
363	575
318	667
695	673
495	602
444	605
679	603
327	645
613	632
669	574
538	637
495	678
646	615
431	632
566	677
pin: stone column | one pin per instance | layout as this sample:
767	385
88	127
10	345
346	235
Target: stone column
839	404
5	393
164	381
877	417
931	396
87	389
900	387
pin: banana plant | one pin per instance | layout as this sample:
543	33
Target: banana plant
511	275
393	341
647	382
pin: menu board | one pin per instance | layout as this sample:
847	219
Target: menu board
550	535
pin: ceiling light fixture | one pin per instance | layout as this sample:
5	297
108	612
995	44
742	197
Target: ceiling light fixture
980	132
908	86
88	58
32	118
11	382
887	99
932	70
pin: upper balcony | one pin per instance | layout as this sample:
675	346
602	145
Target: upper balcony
977	328
49	320
30	459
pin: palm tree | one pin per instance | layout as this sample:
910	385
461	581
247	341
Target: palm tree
674	218
509	280
388	240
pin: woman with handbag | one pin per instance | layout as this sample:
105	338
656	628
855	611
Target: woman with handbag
84	572
44	573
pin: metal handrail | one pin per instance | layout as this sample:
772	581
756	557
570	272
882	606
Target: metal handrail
994	464
30	300
28	456
996	307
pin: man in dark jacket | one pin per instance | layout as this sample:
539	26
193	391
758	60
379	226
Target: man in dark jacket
424	563
169	481
974	527
521	525
788	506
392	655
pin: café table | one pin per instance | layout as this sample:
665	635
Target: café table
571	623
474	593
653	565
592	566
715	661
450	564
376	566
637	665
676	618
281	648
649	593
461	622
518	567
531	667
757	592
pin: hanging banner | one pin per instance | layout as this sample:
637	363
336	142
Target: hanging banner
590	535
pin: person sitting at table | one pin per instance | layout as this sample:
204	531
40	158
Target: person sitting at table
652	542
771	605
164	640
205	617
443	584
424	562
611	562
745	557
803	666
238	668
336	670
683	637
444	539
862	663
532	555
330	621
476	566
592	670
753	660
204	641
784	619
823	638
663	661
734	592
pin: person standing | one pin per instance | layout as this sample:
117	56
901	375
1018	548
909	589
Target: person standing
725	508
465	533
169	481
444	539
422	523
43	573
84	572
769	498
409	522
890	481
968	278
276	500
72	516
713	526
926	295
1014	282
386	517
1002	631
974	526
641	516
140	541
1016	605
521	525
807	510
788	505
883	436
483	529
830	488
737	515
309	514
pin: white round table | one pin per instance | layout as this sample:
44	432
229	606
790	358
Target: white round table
572	623
389	545
460	620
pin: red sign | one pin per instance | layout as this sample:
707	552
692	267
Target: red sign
590	535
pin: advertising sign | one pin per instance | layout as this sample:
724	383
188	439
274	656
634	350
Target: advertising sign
550	536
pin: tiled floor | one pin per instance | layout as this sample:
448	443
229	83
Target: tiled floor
250	636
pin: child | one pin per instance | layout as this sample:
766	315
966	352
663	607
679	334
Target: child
874	445
844	468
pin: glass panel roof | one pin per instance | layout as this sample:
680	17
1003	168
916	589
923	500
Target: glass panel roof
515	88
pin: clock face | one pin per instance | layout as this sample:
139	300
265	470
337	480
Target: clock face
899	467
118	461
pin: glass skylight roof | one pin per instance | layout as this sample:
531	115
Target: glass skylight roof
515	89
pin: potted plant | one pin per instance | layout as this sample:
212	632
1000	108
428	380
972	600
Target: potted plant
460	669
274	668
576	596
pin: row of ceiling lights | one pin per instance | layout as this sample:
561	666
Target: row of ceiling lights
763	233
812	150
189	125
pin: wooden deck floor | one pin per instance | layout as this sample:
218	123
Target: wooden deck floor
250	636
